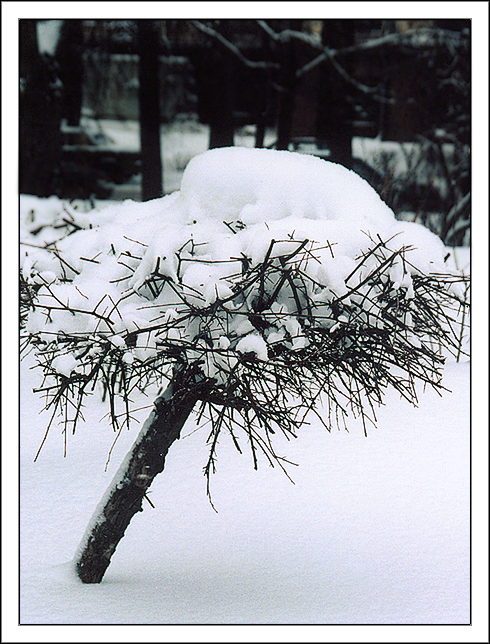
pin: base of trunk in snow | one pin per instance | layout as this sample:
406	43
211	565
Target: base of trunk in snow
146	459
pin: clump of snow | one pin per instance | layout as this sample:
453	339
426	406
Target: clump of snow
64	364
264	185
255	344
427	250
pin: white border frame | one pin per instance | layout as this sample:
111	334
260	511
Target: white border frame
478	631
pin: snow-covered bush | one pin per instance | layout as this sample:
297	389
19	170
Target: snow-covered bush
272	285
276	276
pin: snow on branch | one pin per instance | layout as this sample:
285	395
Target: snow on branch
253	64
416	39
281	279
421	37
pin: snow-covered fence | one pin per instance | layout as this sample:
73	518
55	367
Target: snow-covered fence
273	285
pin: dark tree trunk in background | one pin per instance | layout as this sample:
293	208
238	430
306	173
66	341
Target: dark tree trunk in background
69	55
263	105
335	114
215	86
40	142
146	459
149	105
287	85
221	121
261	128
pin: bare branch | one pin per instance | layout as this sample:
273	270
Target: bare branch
209	31
268	30
330	55
415	38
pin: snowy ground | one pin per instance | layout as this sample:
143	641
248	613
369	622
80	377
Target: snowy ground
374	531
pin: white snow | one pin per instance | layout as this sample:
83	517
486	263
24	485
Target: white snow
253	343
256	185
64	364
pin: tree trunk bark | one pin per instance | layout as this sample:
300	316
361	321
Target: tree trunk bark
149	105
286	96
335	113
146	459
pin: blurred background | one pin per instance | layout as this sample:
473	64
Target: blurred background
115	109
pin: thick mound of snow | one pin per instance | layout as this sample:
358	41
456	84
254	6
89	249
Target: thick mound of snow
255	185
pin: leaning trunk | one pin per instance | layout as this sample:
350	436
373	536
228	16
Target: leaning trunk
124	497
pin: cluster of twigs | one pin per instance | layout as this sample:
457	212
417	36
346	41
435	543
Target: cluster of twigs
354	346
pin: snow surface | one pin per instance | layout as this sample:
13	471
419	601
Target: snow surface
264	185
373	531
